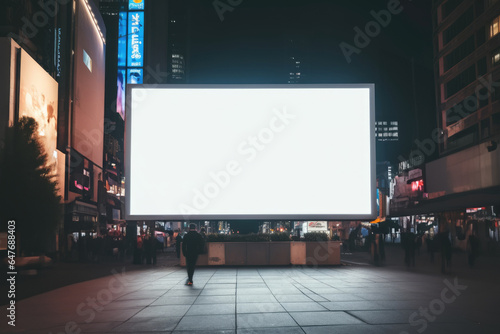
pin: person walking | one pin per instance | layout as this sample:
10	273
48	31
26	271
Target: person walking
203	234
192	246
178	241
473	246
445	243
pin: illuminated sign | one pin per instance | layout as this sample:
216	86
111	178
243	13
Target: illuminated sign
135	39
417	185
87	60
473	210
134	76
120	95
122	39
136	4
58	55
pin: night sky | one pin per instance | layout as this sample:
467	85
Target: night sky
249	46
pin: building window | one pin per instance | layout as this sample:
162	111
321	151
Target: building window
461	81
495	125
481	67
494	26
462	51
485	128
459	25
481	36
479	7
495	57
483	97
449	6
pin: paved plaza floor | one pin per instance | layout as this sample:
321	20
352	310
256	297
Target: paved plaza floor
343	299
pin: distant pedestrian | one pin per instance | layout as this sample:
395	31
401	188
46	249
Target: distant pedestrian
148	249
445	244
203	233
418	243
472	249
192	246
382	248
178	241
409	247
430	242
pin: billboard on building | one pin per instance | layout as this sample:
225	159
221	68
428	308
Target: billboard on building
135	52
136	4
250	152
38	97
89	60
317	226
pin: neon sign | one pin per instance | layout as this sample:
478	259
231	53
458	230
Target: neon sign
135	39
417	185
136	4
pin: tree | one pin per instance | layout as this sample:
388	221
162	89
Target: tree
28	190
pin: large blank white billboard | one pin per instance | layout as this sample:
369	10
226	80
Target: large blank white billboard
295	152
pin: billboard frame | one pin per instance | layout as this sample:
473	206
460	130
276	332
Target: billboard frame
268	217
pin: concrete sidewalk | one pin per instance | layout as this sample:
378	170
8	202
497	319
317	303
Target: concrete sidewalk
486	267
345	299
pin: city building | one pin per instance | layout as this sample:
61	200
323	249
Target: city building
147	44
294	59
467	55
68	42
461	188
387	130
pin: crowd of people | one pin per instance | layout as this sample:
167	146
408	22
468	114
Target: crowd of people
95	249
412	243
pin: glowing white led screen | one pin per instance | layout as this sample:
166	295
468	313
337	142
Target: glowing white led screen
250	152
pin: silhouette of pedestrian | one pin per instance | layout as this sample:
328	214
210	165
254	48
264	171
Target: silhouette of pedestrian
203	234
445	244
473	249
409	246
178	241
148	248
418	243
192	246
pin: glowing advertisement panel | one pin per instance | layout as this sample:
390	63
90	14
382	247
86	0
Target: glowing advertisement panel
120	93
38	97
134	75
298	152
122	39
136	4
135	39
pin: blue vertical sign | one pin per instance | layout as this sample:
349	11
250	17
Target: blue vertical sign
134	76
135	39
122	39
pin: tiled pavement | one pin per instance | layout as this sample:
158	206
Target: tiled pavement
346	299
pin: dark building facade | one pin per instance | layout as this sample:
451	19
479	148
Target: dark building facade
467	55
461	188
